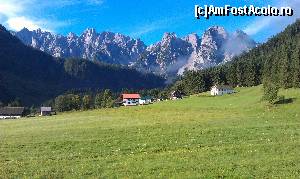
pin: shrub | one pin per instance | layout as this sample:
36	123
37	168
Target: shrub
270	92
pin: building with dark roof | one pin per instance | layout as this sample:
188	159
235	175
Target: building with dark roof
46	111
12	112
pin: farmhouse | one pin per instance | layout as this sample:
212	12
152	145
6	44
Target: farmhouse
176	95
46	111
131	99
218	90
11	112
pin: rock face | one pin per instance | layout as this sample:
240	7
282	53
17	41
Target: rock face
109	47
166	56
218	47
171	56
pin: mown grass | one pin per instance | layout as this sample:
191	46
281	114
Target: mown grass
235	136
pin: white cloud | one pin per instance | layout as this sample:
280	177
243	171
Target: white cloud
259	25
18	23
10	8
262	23
16	15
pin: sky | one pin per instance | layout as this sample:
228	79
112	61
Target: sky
144	19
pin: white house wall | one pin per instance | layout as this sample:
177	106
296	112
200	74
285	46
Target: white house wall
217	92
10	117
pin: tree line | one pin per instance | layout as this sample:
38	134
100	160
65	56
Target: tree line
84	101
79	99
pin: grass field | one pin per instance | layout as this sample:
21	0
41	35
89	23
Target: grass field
235	136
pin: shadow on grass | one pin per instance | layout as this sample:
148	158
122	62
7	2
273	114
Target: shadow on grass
285	101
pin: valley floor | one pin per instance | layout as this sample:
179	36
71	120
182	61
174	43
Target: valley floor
200	136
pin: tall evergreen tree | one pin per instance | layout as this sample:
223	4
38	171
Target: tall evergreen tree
296	67
284	72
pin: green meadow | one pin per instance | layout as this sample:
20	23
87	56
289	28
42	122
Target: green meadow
234	136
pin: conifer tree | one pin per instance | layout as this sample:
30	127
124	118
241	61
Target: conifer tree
296	68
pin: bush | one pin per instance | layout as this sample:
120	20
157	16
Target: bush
270	92
67	102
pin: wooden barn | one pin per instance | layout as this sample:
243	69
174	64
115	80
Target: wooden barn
12	112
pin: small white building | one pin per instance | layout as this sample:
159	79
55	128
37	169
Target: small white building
131	99
218	90
46	111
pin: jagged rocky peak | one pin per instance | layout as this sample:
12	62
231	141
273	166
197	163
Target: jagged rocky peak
90	32
89	35
215	34
216	30
139	42
169	36
2	28
167	56
240	33
122	39
242	36
193	39
25	35
71	35
39	30
107	36
217	47
139	47
24	30
238	43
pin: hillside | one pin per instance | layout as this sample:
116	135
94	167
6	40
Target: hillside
277	60
34	76
234	136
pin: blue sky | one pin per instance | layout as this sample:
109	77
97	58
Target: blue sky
144	19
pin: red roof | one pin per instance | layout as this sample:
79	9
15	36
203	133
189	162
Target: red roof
131	96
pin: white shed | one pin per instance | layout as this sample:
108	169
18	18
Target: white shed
46	111
218	90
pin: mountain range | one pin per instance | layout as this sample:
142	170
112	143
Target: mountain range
170	56
34	76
